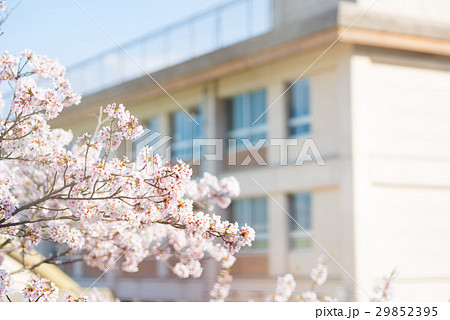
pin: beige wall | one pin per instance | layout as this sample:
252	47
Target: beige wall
433	11
402	183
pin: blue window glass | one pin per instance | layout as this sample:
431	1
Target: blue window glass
184	131
153	124
299	108
254	213
245	109
301	212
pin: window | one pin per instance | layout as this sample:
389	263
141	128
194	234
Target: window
153	124
243	110
254	213
299	109
301	212
185	130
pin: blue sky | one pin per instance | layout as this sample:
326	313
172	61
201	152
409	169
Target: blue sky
60	29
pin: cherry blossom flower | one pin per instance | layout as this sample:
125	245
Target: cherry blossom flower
70	298
319	274
329	299
32	236
221	288
181	270
40	291
8	202
126	122
285	287
62	233
210	191
384	290
5	282
8	66
309	296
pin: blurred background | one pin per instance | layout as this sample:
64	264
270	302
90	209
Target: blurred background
367	80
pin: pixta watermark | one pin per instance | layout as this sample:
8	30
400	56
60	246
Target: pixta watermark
231	152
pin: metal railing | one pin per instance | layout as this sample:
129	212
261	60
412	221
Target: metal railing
222	26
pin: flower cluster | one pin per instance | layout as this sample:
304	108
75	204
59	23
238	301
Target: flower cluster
100	206
70	298
222	255
43	290
5	282
40	291
384	290
181	270
28	98
285	287
309	296
210	191
32	236
44	67
62	233
8	66
221	288
319	274
8	203
126	122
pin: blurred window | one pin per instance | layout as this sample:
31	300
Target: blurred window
299	109
184	131
301	212
243	110
254	213
153	124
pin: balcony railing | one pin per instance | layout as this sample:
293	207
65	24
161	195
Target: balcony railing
222	26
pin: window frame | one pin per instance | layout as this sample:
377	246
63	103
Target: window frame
246	130
247	210
302	119
180	148
296	232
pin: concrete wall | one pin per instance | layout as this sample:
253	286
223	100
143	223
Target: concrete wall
402	173
433	11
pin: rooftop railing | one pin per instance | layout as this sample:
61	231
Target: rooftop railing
209	31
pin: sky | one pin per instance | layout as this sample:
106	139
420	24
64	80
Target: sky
60	29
